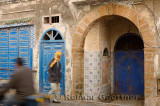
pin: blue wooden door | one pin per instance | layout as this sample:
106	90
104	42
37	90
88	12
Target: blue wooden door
129	73
48	50
14	42
4	45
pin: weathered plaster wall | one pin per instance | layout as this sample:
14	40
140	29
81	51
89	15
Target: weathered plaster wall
51	8
144	24
99	36
156	12
92	71
105	42
18	11
121	26
96	66
107	31
38	9
71	16
92	39
104	34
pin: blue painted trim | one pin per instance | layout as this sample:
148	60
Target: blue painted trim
57	41
40	61
31	58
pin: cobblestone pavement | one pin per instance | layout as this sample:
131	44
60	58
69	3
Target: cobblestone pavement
80	103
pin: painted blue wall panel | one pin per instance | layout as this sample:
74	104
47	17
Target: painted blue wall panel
24	55
24	44
3	33
14	42
26	60
4	55
13	38
24	32
24	38
24	50
129	73
12	66
4	50
4	60
13	32
13	49
4	39
3	65
12	60
3	44
13	55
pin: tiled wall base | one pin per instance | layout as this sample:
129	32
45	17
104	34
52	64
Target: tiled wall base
92	74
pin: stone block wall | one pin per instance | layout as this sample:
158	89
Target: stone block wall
138	17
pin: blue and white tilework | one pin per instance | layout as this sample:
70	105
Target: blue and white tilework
32	37
92	74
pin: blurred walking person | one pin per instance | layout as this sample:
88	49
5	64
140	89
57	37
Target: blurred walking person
22	82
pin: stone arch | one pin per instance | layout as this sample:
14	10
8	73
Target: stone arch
92	17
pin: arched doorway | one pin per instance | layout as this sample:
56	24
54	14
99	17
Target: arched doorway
129	65
147	35
51	41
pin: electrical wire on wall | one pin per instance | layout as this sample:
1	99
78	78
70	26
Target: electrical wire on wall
133	4
66	4
138	3
154	16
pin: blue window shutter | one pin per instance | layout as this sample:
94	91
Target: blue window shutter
14	42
